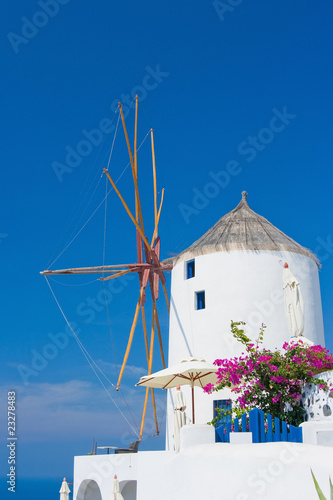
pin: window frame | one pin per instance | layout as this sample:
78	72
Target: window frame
200	298
225	404
189	265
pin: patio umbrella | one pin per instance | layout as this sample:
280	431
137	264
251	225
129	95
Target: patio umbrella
191	371
64	490
179	417
293	302
116	495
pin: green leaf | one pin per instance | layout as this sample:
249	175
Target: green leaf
320	493
331	489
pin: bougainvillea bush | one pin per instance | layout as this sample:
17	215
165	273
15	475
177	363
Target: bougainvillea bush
271	380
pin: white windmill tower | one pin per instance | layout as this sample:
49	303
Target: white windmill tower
234	272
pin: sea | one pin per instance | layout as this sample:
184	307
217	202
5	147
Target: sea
33	489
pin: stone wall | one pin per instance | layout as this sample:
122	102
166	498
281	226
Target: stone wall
318	403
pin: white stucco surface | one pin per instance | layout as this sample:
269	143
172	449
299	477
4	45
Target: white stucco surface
191	435
239	286
101	469
214	471
318	433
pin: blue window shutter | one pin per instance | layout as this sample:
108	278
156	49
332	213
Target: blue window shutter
190	269
200	300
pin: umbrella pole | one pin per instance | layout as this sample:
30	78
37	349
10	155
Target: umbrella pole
193	404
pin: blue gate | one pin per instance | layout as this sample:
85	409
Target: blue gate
262	428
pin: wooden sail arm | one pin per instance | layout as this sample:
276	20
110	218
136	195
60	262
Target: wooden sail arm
159	271
129	344
134	168
152	257
156	278
85	270
160	339
154	178
117	275
155	314
157	213
157	220
127	209
137	269
136	150
113	269
144	413
139	251
152	390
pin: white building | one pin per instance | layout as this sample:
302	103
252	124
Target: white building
233	272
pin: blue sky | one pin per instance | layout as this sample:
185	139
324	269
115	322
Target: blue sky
241	93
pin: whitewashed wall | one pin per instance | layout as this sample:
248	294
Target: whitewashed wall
217	471
93	474
239	285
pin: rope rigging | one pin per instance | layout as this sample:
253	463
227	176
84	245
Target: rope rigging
98	206
80	203
80	284
148	267
93	365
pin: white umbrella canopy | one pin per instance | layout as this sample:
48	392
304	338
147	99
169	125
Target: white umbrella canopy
192	371
116	495
64	490
293	302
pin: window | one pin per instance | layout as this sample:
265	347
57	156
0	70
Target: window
190	269
200	302
224	405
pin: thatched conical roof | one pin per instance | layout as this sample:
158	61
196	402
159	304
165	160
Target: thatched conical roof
242	229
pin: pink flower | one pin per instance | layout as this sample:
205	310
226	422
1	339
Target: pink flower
208	388
258	374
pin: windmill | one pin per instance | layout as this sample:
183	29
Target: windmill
149	268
